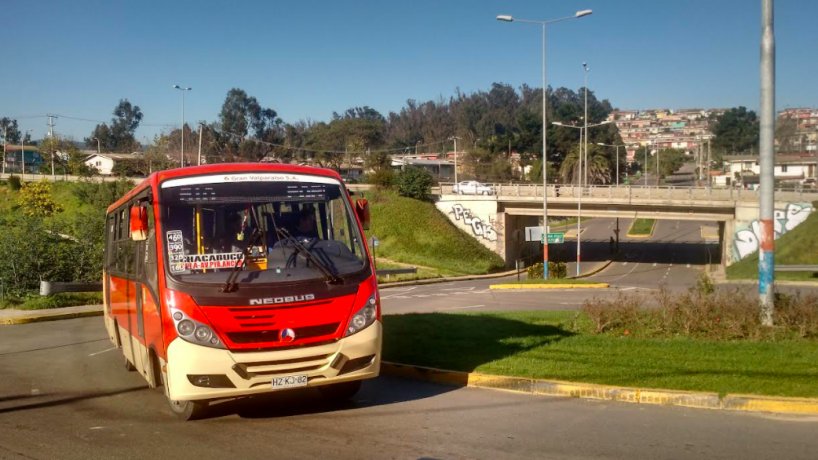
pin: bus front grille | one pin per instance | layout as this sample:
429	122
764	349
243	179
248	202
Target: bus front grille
249	370
273	335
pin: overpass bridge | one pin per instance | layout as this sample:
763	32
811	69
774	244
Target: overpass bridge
498	221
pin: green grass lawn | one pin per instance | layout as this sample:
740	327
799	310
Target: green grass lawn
799	246
641	227
416	233
544	344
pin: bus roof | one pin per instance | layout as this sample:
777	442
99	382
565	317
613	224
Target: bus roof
221	168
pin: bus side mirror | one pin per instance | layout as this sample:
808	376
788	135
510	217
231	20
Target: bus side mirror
362	210
139	223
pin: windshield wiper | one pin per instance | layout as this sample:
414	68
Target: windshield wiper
230	284
285	235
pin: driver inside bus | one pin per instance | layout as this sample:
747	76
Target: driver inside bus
306	227
233	238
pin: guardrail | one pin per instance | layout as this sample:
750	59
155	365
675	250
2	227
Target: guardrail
56	287
796	268
639	192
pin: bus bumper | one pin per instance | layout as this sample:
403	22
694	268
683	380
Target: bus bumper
195	372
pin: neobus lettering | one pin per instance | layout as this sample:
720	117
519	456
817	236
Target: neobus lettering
285	299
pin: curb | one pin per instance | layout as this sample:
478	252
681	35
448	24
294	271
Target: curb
641	235
813	284
447	279
549	286
34	318
595	271
692	399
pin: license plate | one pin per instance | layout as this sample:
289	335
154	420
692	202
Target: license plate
290	381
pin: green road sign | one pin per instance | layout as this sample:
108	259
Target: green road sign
554	238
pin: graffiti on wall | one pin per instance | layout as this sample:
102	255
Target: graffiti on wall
746	239
479	228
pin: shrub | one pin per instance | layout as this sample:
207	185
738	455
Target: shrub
415	183
704	313
382	179
555	270
14	182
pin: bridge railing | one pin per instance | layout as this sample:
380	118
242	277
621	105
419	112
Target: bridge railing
639	192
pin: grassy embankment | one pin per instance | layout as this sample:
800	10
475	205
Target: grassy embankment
415	233
559	346
796	247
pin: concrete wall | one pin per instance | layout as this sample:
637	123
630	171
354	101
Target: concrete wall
477	217
741	236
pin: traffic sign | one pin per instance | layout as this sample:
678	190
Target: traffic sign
555	238
534	233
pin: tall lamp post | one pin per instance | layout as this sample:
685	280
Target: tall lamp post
509	18
586	69
617	157
579	199
99	148
183	90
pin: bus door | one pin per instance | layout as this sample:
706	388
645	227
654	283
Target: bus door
148	329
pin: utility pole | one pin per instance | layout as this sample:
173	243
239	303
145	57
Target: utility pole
51	137
766	252
5	135
201	128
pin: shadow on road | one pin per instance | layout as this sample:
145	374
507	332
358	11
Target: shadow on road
641	251
51	400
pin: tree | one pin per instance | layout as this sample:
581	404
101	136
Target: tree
736	132
786	135
36	200
119	136
9	128
241	117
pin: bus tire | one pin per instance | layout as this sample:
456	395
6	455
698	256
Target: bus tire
188	410
340	391
129	366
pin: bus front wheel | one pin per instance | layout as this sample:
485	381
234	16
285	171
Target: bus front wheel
188	410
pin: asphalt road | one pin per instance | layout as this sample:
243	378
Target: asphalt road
674	259
65	394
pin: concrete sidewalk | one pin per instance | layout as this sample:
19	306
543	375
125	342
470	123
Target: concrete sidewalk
14	316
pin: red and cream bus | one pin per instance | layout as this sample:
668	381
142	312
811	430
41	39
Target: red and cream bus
229	280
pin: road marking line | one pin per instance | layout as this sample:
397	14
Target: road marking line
463	308
103	351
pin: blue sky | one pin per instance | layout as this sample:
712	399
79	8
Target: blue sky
308	58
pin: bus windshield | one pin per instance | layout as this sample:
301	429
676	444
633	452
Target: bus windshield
258	228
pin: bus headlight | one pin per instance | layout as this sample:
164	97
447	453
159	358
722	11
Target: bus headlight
363	317
193	331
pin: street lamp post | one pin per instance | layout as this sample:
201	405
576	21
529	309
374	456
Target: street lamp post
99	149
509	18
617	157
585	119
579	199
183	90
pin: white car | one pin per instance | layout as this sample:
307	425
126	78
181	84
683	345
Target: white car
472	187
